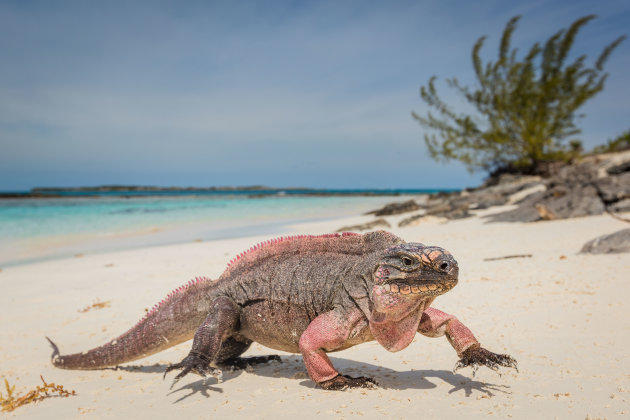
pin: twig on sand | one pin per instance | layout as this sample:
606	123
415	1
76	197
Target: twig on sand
508	256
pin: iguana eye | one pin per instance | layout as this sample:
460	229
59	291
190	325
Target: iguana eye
407	261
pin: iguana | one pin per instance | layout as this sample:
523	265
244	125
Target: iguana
302	294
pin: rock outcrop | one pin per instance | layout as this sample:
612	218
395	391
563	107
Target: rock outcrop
593	185
396	208
614	243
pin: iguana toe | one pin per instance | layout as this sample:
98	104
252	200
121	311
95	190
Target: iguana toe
478	356
196	363
342	382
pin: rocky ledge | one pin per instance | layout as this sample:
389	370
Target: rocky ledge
593	185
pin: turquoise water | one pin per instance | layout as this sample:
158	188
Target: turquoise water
43	228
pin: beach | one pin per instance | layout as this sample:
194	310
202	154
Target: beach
563	315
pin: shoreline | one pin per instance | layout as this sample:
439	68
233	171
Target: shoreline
552	312
249	192
70	226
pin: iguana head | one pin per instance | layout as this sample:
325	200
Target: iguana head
410	275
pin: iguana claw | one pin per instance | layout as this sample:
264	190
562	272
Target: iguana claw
196	363
342	382
478	356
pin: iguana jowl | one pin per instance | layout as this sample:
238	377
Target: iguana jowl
302	294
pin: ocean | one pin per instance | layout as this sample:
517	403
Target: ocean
83	222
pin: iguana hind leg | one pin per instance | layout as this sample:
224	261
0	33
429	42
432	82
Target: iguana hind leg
233	347
220	324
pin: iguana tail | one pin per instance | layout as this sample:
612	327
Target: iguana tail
172	321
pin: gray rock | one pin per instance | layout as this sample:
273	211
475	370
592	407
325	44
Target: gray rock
564	202
619	169
614	243
396	208
525	212
487	199
620	206
366	226
614	188
454	208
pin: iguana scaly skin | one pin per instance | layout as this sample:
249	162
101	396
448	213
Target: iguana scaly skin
303	294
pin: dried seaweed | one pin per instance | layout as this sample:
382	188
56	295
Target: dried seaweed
11	402
96	305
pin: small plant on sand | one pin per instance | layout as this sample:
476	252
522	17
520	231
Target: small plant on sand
525	108
48	390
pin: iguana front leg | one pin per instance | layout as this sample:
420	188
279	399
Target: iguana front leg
435	323
328	332
218	326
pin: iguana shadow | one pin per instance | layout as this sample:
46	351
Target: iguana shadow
155	368
292	367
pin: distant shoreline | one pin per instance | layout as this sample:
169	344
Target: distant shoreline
255	191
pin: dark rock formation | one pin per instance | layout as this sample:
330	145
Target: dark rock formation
614	188
620	206
592	186
396	208
614	243
525	212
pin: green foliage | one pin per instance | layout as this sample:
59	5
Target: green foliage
525	108
619	143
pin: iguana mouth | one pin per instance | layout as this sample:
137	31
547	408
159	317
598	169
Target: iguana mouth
406	289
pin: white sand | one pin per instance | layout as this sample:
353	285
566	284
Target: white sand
564	316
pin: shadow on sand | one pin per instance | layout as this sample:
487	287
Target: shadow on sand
292	367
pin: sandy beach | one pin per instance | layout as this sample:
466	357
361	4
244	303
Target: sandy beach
561	314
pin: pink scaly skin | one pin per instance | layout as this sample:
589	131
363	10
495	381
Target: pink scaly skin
304	294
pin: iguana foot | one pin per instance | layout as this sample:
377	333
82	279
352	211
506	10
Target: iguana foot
342	382
239	363
196	363
478	356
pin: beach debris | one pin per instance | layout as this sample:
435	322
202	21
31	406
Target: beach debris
505	257
380	222
613	243
396	208
48	390
96	305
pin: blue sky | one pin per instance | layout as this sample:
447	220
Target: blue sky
281	93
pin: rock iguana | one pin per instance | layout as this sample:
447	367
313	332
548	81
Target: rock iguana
302	294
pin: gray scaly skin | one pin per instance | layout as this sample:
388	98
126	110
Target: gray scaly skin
304	294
